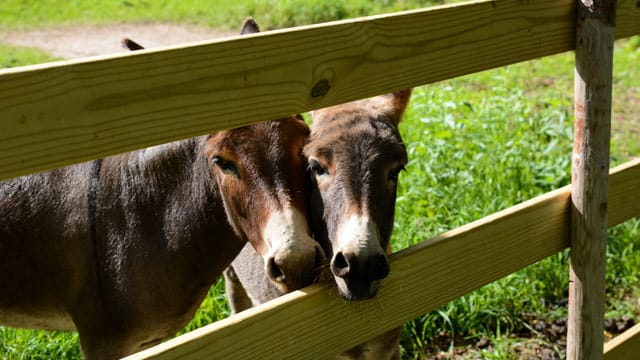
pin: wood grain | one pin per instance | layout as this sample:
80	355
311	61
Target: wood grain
590	175
61	113
316	324
624	197
627	18
624	346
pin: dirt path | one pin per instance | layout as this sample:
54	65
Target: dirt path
80	41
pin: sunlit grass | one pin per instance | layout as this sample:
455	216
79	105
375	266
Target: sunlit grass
22	14
11	56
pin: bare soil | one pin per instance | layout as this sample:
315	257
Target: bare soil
80	41
540	339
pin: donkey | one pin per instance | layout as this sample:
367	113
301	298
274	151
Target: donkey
124	249
355	155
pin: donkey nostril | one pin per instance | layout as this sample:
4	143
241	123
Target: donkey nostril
380	267
274	271
339	266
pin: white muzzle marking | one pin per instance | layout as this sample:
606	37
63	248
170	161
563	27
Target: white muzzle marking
358	235
286	232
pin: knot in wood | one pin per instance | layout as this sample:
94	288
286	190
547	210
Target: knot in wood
321	88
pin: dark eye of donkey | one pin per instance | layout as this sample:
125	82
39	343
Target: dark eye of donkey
317	169
393	175
225	165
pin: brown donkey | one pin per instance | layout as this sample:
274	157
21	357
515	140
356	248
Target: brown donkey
355	154
124	249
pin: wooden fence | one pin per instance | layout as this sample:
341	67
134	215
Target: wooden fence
67	112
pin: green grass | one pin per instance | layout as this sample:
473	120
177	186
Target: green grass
38	345
213	308
477	144
21	14
11	56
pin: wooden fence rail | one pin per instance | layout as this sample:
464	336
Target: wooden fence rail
67	112
624	346
60	113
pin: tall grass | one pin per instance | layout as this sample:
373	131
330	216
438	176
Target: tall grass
477	144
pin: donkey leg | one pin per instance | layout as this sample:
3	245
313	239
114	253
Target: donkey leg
104	341
247	283
236	293
99	346
103	335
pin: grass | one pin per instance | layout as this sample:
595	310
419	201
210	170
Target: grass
477	144
218	13
11	56
38	345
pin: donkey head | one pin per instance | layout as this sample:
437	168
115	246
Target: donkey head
355	154
261	176
260	171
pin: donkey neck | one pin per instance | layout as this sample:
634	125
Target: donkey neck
171	205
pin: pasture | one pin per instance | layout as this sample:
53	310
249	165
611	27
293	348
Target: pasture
477	144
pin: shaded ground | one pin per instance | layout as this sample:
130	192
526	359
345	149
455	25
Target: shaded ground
73	41
540	339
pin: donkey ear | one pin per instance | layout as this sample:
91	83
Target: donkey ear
391	106
395	104
249	26
302	122
131	45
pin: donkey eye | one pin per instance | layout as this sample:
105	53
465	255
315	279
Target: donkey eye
317	168
225	165
393	175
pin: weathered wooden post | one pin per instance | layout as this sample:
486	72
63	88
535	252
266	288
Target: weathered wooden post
590	170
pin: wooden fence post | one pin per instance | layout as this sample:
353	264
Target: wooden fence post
592	128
